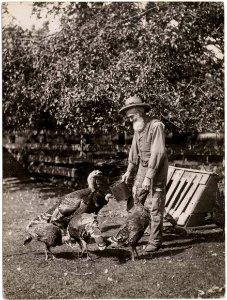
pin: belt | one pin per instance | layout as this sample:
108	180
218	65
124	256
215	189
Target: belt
144	162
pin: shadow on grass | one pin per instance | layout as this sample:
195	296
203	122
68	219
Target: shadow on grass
119	255
162	252
122	256
39	186
175	245
67	255
210	236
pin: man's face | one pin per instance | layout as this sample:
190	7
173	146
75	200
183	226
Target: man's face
136	119
132	117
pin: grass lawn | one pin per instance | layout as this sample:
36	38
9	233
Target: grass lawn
186	267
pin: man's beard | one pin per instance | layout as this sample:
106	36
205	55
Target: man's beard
139	124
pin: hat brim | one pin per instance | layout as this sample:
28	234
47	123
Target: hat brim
144	105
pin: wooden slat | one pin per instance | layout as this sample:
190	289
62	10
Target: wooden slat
176	194
175	201
189	195
204	178
54	159
194	171
105	148
189	210
181	203
170	173
103	153
54	170
51	146
176	178
189	176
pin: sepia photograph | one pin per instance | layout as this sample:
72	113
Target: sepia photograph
113	157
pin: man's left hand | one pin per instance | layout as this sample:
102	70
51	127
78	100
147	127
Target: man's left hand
146	184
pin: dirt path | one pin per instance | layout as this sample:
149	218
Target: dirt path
188	267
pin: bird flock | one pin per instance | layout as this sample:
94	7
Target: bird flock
73	221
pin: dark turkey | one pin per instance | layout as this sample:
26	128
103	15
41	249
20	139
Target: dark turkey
49	227
88	200
83	227
46	233
133	229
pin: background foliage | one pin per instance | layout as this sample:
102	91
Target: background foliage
168	53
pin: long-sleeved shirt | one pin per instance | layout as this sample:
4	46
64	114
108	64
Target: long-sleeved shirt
149	152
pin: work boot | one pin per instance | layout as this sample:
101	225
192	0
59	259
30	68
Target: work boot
152	248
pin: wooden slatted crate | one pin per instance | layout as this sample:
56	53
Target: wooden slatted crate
191	194
54	170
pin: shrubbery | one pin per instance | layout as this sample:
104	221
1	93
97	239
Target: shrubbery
171	54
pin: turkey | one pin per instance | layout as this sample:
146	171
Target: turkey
81	228
50	227
47	233
87	200
133	229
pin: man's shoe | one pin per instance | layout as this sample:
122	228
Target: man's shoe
152	248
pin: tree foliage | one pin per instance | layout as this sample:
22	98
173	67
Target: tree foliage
169	53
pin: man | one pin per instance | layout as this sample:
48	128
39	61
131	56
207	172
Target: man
148	154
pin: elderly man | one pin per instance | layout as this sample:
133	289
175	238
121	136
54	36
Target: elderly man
148	154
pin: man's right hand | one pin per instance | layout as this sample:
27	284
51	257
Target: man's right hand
125	177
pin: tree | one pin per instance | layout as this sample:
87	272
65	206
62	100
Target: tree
168	53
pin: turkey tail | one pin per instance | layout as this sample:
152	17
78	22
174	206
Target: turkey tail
28	240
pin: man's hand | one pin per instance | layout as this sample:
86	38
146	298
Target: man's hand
146	184
125	177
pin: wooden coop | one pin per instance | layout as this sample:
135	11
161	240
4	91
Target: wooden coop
191	194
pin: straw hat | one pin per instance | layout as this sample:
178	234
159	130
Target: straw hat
134	101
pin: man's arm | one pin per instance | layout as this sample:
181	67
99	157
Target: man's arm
133	159
157	149
158	152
